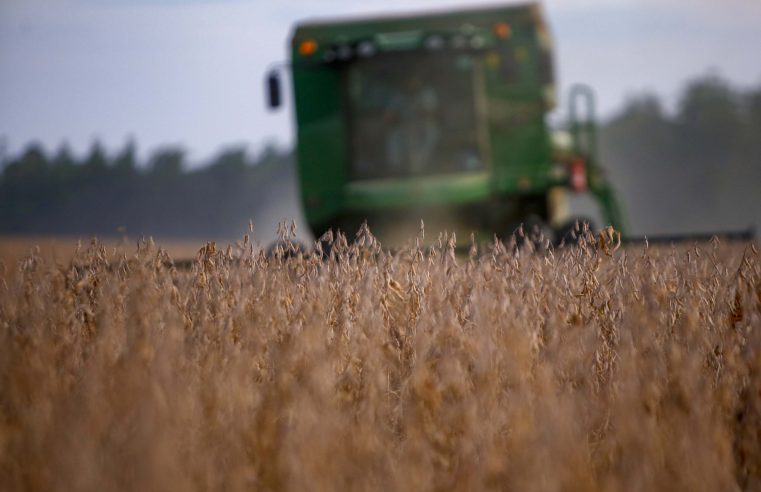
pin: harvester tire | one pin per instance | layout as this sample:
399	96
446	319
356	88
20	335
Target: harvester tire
571	232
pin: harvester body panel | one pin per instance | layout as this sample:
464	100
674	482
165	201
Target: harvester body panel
402	116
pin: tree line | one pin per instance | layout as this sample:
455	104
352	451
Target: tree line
695	168
115	194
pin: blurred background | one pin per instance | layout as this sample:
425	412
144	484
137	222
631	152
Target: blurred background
148	116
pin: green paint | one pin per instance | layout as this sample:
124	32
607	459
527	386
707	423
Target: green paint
371	84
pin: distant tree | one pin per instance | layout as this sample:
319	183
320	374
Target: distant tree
647	106
706	100
3	152
63	169
710	128
24	189
96	162
642	115
642	136
753	115
753	103
125	163
699	169
270	154
230	164
63	157
167	162
32	165
709	117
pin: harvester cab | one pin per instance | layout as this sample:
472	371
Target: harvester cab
440	117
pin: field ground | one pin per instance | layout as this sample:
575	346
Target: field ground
589	368
62	248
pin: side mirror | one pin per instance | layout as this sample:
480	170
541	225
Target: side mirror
273	90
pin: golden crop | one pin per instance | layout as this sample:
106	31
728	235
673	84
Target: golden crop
586	368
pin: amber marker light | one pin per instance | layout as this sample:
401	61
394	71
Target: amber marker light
308	47
502	30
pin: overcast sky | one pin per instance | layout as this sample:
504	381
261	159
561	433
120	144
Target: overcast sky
190	72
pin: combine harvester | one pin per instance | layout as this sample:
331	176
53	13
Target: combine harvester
440	117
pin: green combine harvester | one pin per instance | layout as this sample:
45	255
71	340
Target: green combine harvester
439	117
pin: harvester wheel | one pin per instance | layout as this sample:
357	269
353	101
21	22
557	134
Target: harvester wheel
572	232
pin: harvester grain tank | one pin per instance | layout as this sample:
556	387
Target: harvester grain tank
440	116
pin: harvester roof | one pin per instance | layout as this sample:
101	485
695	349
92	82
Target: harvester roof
350	30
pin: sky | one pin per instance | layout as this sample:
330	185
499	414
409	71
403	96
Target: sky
191	72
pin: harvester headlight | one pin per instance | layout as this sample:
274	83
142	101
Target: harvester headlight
434	42
308	47
344	52
477	42
458	41
562	140
366	49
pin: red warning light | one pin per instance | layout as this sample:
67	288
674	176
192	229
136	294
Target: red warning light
308	47
502	30
578	176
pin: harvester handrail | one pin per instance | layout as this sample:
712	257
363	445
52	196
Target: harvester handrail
586	127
